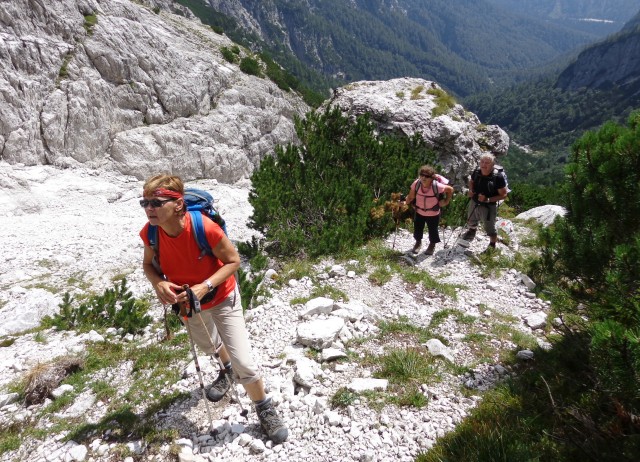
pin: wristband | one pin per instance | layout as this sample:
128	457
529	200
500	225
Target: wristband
209	285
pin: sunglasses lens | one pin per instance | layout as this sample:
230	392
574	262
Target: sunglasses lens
154	203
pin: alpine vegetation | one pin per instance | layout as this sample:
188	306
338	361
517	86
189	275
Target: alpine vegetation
320	196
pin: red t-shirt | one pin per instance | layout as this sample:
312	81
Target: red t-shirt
180	257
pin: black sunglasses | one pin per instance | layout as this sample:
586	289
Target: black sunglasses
154	203
425	175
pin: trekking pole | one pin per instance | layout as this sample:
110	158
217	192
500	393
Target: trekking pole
393	246
243	412
461	242
186	312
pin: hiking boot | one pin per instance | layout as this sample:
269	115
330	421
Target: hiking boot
220	386
490	249
430	249
271	422
470	234
416	247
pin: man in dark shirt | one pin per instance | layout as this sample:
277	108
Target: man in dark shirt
487	186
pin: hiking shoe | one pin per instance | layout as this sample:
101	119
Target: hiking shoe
470	234
490	249
430	249
220	386
416	247
271	422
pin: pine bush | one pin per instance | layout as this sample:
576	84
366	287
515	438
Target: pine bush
594	255
327	193
597	244
116	307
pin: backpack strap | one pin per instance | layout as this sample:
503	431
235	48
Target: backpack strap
152	237
436	207
474	176
198	229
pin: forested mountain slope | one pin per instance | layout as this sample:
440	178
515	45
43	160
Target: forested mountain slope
466	47
603	83
599	17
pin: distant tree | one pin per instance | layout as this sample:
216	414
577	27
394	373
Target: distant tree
327	193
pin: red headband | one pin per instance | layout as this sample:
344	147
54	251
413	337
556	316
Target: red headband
167	193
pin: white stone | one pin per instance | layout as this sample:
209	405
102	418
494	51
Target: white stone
319	333
544	214
61	390
367	384
319	305
77	453
437	348
536	320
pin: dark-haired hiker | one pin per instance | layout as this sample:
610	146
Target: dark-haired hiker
211	279
487	187
428	193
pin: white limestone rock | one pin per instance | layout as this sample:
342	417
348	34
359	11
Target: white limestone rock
545	214
320	333
458	135
141	93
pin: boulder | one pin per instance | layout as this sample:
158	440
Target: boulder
137	92
406	106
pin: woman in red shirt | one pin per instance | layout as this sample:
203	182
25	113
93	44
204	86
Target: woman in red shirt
211	279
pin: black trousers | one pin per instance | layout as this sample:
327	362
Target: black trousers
432	225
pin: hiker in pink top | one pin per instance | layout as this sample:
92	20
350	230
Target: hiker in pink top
427	196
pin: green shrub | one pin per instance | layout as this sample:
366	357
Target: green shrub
228	55
599	241
248	287
277	74
250	66
591	259
455	214
327	194
116	307
524	196
342	398
90	20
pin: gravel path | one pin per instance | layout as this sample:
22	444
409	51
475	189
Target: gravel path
76	230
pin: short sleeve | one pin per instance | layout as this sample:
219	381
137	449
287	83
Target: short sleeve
213	231
500	181
144	234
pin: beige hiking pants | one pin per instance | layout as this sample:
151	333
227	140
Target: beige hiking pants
224	323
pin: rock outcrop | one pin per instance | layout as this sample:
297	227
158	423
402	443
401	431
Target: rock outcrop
114	83
410	105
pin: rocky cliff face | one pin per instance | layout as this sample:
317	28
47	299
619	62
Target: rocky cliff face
409	106
119	85
109	83
614	62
